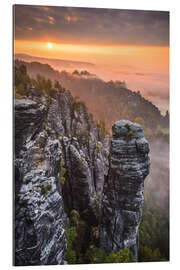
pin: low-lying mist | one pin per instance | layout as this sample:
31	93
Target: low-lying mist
153	83
157	182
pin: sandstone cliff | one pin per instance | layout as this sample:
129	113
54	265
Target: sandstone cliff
123	190
63	161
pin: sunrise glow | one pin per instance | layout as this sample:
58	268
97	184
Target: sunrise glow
133	49
49	45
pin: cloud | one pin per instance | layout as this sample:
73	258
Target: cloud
51	19
39	19
44	8
140	74
73	18
93	26
160	93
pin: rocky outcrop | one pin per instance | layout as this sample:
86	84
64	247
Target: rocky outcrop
123	190
63	162
28	118
60	163
39	233
40	236
85	153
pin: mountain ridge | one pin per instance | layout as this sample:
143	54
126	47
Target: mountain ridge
98	94
54	61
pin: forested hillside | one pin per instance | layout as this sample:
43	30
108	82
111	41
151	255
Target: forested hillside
107	101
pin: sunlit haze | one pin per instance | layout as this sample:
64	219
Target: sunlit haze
123	45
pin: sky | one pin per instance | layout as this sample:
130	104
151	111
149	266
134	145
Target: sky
130	45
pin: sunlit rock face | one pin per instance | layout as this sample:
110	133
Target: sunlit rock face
123	190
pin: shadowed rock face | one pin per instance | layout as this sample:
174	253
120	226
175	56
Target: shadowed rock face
123	190
47	132
57	138
28	118
39	233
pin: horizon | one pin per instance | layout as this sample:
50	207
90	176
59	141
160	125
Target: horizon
126	45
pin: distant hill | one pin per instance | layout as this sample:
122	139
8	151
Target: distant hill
57	63
107	101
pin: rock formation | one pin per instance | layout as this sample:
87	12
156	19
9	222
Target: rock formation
39	233
123	190
61	163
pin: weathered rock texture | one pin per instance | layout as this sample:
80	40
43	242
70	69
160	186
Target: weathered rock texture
55	139
62	163
123	190
39	233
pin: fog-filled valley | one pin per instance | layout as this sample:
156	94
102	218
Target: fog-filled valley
151	79
107	103
157	182
119	101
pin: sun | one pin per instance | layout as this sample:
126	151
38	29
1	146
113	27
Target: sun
49	45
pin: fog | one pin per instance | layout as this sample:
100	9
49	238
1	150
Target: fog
157	182
153	85
145	70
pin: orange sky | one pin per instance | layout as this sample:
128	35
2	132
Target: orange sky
123	44
150	58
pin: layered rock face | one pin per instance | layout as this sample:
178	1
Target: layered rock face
60	164
39	233
123	190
